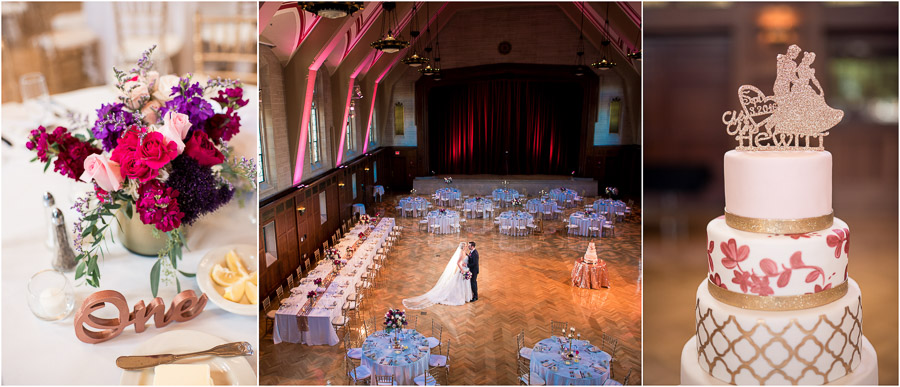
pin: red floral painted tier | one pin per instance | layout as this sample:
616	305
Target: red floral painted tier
777	264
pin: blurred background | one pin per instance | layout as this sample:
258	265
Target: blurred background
74	44
698	54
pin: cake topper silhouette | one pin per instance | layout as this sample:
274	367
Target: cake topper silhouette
790	119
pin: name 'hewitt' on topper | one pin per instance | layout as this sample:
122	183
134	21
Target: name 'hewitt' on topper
790	118
185	306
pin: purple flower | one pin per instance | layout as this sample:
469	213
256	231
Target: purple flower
112	120
201	193
189	100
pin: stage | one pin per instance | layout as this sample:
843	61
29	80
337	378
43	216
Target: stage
526	184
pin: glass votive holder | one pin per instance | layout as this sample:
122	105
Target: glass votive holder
50	295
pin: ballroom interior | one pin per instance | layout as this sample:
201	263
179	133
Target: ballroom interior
391	132
711	50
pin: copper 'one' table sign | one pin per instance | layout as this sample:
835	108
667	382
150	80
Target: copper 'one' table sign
185	306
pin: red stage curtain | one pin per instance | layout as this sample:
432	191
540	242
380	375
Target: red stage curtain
505	127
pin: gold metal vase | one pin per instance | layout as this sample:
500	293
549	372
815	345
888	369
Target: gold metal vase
138	237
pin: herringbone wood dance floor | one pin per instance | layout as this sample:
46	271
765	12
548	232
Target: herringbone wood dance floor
523	284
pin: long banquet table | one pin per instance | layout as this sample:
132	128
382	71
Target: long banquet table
319	331
31	345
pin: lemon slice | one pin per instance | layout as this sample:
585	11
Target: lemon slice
223	276
253	278
235	263
252	292
235	292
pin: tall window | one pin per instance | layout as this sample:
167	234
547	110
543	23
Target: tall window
353	180
351	129
315	155
372	130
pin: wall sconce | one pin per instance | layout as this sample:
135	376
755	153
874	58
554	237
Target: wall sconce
777	24
366	169
341	184
301	210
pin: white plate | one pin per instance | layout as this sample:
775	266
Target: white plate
217	256
225	371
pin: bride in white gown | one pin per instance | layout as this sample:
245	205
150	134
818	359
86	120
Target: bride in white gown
451	289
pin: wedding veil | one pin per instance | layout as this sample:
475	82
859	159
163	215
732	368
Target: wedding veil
441	290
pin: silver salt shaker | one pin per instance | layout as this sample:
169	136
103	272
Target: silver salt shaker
49	205
65	256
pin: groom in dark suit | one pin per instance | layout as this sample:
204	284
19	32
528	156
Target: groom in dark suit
473	267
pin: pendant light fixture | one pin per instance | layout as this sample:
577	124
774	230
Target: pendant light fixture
636	55
413	59
429	70
605	64
331	9
391	41
579	59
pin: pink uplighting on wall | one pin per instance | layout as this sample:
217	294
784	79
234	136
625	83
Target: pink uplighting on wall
369	121
341	144
304	125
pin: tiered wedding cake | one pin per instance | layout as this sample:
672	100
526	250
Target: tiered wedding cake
778	306
591	255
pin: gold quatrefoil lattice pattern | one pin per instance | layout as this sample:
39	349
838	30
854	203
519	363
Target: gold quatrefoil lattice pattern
752	351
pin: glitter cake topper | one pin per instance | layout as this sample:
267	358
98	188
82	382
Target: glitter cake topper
789	119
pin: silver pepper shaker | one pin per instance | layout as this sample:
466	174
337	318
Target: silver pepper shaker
65	257
49	205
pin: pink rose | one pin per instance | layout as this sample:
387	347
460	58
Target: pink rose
156	151
136	92
175	128
103	171
151	112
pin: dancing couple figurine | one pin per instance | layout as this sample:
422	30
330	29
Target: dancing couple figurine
458	283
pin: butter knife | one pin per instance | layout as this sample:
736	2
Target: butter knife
225	350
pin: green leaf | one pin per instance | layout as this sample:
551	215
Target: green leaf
189	275
154	278
79	270
34	159
178	284
128	209
46	166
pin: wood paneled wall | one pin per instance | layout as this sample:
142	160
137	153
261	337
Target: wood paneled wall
296	215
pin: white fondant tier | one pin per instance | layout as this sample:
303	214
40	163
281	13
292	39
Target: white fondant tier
591	254
777	264
778	185
864	375
808	346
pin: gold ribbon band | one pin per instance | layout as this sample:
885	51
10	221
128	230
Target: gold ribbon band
777	303
779	226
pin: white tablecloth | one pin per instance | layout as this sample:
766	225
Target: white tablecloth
448	195
359	208
609	206
447	221
378	190
546	207
584	221
546	355
474	206
515	219
31	345
413	206
320	331
381	358
564	196
505	194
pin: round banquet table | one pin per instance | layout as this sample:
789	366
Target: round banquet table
378	191
413	206
590	275
515	219
449	195
544	206
564	196
591	370
476	204
447	221
609	206
359	208
584	221
505	195
382	359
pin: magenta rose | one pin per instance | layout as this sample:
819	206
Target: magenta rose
133	168
157	151
200	148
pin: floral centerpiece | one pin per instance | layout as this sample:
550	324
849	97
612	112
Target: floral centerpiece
362	236
312	294
332	253
317	281
442	212
159	154
394	321
611	192
448	180
517	202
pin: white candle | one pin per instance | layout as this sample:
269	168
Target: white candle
53	301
